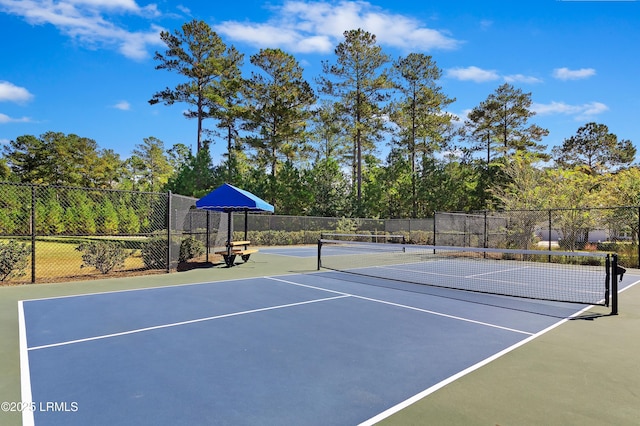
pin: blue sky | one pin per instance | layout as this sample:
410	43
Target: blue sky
86	66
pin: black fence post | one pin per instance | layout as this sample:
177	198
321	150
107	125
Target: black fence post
168	231
33	234
638	239
549	233
208	235
614	285
434	228
485	243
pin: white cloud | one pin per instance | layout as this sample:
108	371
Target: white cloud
4	141
473	73
6	119
184	9
520	78
567	74
87	21
580	112
485	24
123	105
9	92
480	75
306	27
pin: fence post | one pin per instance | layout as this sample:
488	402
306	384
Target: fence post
486	237
208	234
638	239
434	228
33	234
168	231
549	233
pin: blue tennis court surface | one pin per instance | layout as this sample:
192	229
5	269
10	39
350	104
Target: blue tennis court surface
312	349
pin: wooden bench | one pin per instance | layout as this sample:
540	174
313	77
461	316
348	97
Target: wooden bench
234	249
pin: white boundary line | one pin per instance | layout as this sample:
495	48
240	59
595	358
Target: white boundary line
413	308
25	373
25	376
176	324
404	404
127	290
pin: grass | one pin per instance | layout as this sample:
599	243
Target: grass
56	261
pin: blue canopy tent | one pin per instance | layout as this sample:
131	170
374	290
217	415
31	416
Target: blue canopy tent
228	199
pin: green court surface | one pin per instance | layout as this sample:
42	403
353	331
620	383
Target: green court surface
584	372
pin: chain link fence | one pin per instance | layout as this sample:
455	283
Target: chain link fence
56	233
607	229
77	233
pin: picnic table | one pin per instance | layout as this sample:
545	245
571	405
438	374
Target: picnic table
236	248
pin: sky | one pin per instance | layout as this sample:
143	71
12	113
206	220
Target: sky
86	66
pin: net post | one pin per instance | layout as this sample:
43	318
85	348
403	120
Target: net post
319	250
607	287
614	284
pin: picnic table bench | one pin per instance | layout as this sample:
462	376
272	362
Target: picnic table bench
234	248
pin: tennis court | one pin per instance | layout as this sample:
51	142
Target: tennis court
285	348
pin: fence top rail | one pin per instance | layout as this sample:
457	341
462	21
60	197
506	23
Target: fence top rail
551	209
83	188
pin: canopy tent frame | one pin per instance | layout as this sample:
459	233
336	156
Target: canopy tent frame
228	199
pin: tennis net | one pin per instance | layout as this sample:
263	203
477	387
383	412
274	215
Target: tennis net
575	277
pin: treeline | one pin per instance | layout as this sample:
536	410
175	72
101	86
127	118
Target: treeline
78	211
313	148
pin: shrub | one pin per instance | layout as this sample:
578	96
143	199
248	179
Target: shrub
190	248
102	255
154	253
13	259
346	225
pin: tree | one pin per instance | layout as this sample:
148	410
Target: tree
154	166
360	89
107	170
195	178
228	106
292	191
527	187
197	53
133	168
49	214
528	191
55	158
107	218
79	213
572	191
329	188
23	157
623	189
595	149
5	170
178	155
387	187
499	125
450	184
327	133
279	106
501	121
419	114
